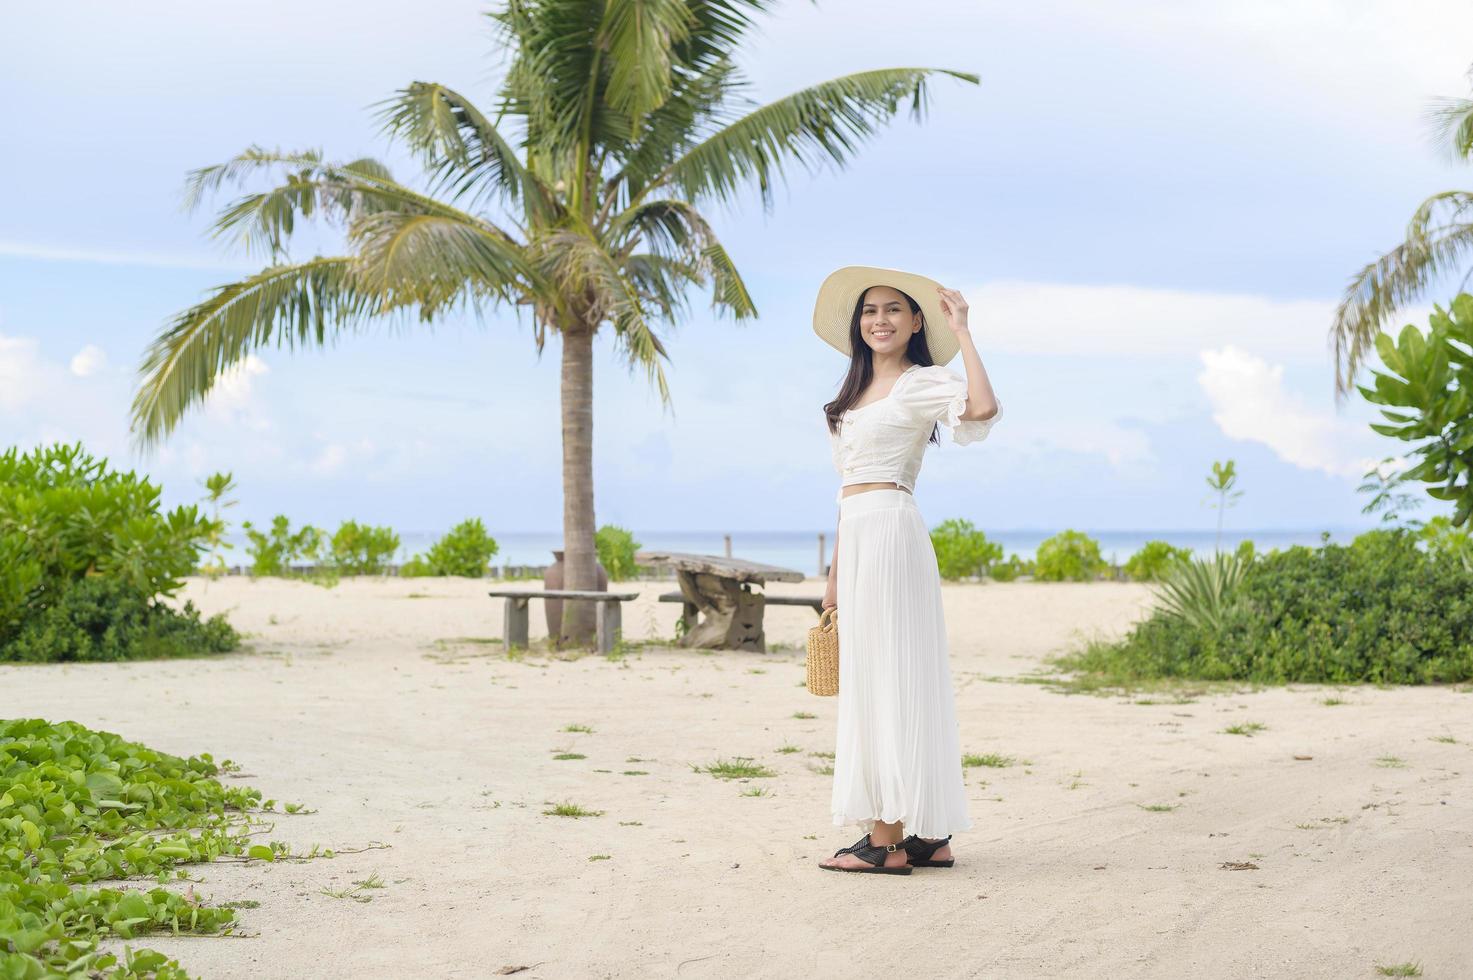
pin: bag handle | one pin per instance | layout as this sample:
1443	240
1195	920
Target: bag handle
828	619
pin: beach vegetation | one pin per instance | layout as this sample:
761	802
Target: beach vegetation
1409	969
1009	569
217	486
465	550
81	807
1069	556
616	549
1426	399
277	550
1384	609
962	551
570	809
1223	483
740	767
991	760
1248	728
361	549
1200	591
88	558
1154	561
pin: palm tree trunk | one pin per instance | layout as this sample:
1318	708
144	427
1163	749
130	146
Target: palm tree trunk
579	555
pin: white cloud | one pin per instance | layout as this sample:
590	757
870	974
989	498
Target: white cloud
20	372
1250	403
334	456
1136	322
230	398
125	256
88	361
1133	321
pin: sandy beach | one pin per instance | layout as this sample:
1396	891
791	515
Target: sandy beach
385	706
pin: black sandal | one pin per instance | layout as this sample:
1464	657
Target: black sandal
874	854
919	851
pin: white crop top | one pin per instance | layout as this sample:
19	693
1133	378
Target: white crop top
882	442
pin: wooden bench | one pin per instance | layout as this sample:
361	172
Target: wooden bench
606	616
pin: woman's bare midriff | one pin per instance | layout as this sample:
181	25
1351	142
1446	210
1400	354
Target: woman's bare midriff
854	488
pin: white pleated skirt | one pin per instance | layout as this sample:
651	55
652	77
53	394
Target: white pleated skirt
897	754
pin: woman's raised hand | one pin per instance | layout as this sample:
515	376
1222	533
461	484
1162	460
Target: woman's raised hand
955	308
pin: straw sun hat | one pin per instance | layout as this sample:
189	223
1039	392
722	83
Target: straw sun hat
842	289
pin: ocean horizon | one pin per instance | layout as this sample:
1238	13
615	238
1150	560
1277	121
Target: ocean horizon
799	550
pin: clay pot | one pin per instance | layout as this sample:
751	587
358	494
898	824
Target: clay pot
554	580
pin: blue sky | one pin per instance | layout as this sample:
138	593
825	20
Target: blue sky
1152	208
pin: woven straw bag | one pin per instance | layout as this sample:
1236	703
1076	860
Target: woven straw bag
823	654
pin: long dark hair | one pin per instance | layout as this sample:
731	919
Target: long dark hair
862	367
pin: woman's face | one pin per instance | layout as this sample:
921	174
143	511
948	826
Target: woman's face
886	321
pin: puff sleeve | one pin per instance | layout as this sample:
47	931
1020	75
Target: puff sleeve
935	393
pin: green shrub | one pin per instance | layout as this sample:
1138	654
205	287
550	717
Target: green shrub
465	550
1009	569
961	550
359	549
1155	560
70	516
1441	536
85	553
1245	552
1380	610
103	618
616	549
1069	556
275	552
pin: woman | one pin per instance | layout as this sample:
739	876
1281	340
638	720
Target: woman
897	756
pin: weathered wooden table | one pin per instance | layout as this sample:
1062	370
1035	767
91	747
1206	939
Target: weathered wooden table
721	611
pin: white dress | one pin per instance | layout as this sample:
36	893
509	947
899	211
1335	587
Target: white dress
897	755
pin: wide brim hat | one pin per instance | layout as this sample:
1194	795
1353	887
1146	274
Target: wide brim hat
841	290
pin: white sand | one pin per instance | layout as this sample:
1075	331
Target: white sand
358	702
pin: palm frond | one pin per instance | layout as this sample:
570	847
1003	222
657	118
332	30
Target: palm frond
263	222
639	35
677	229
551	76
463	149
661	282
1451	125
438	259
700	101
305	304
1436	242
730	291
826	122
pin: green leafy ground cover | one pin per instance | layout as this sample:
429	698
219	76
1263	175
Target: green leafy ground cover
81	807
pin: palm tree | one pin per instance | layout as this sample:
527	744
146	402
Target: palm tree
1438	238
624	119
